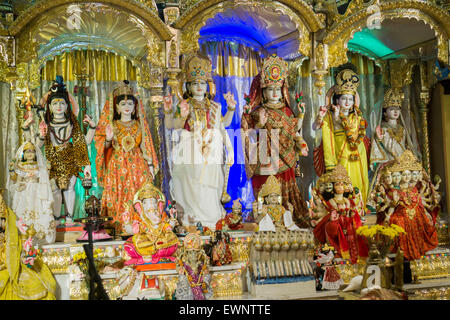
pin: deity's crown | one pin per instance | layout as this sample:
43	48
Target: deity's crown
237	204
339	174
198	67
347	82
149	190
407	161
326	247
123	88
271	186
393	98
28	146
274	71
192	241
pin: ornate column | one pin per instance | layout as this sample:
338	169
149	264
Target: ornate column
320	66
424	100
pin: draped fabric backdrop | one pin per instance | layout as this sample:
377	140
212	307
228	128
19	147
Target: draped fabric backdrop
9	131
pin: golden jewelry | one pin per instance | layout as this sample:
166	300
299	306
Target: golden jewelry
393	98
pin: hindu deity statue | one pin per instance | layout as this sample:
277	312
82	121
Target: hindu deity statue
155	241
406	209
201	144
19	281
343	127
271	214
325	272
272	131
338	227
126	157
232	220
194	279
391	138
65	145
31	192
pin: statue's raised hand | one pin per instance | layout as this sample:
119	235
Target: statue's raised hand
322	111
184	108
43	129
335	109
109	133
379	132
29	120
168	103
229	98
88	120
262	118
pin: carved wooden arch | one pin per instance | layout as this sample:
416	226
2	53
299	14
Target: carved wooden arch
191	21
358	13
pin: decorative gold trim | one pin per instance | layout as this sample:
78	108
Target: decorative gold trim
196	16
150	18
356	18
297	7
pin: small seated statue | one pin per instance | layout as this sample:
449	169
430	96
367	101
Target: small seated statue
155	240
233	220
271	215
194	279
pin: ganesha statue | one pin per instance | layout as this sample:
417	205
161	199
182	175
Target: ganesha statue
155	240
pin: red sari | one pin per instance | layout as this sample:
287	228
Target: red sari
340	232
421	235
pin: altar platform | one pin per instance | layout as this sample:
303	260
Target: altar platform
232	281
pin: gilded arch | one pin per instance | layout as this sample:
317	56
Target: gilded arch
192	20
37	27
357	15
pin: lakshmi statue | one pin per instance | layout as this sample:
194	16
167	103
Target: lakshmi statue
199	178
271	215
338	227
406	209
194	279
17	280
31	192
391	138
155	241
126	158
269	113
65	145
344	139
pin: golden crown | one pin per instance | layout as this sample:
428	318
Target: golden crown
237	204
271	186
198	68
407	161
192	241
274	71
393	98
339	174
28	146
149	190
347	82
123	88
